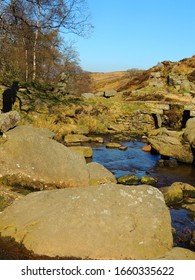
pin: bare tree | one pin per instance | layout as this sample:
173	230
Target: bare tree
42	16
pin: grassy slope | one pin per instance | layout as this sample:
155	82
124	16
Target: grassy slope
75	115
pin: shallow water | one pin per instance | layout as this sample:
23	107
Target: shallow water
135	161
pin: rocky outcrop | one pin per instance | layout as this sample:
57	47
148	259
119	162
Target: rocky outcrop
171	144
8	120
104	222
180	82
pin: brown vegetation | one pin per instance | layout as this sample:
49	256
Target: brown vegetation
31	48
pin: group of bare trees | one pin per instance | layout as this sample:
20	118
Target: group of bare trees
31	45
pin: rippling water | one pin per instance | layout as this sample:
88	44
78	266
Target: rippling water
133	160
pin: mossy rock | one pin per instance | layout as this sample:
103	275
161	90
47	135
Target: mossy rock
3	203
188	190
7	197
149	180
189	207
20	182
76	138
129	179
172	194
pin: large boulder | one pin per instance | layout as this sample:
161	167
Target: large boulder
189	132
170	144
189	135
8	120
104	222
34	160
190	123
24	131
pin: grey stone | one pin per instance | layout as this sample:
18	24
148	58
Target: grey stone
76	138
35	160
88	95
23	131
110	93
190	123
98	174
8	120
169	143
104	222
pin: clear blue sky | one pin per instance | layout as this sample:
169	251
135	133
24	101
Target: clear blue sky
137	34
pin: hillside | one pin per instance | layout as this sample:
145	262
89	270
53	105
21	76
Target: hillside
173	80
113	80
166	83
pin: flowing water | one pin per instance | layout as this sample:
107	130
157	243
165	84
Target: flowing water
135	161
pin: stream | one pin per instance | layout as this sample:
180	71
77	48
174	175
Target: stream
135	161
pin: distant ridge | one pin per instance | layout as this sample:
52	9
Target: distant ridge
135	79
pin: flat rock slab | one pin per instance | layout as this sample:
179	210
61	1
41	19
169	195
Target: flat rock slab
105	222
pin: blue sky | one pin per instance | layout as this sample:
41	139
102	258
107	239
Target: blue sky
137	34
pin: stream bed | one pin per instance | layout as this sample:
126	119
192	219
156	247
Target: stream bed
134	160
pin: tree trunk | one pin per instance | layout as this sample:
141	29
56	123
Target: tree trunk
35	43
35	55
27	69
